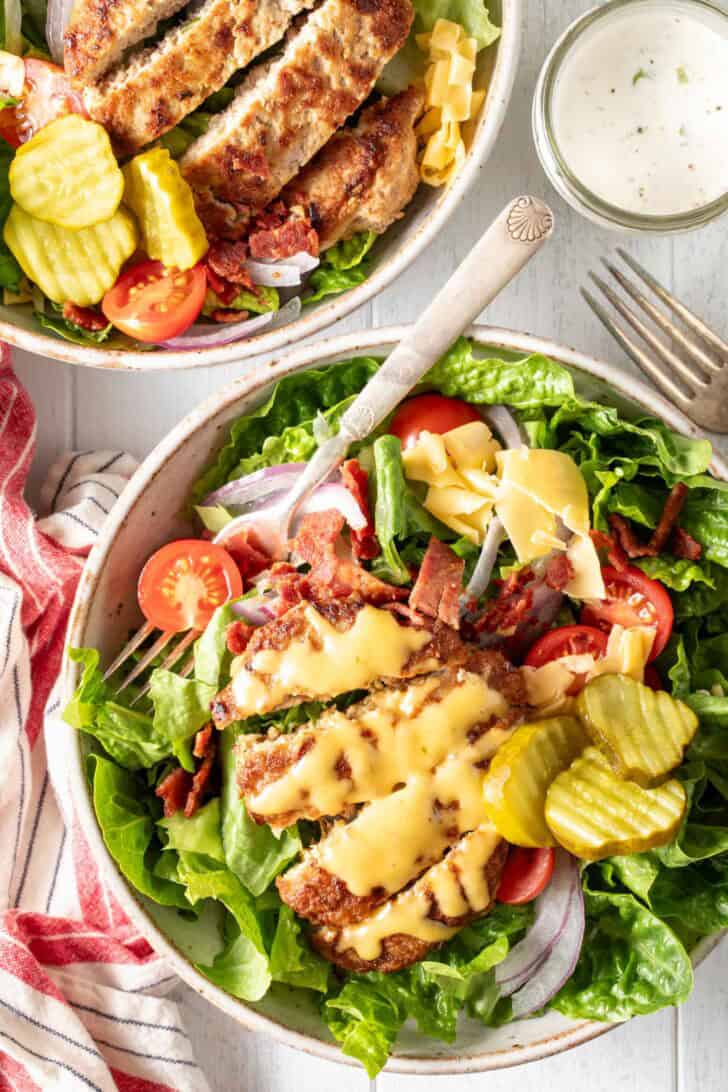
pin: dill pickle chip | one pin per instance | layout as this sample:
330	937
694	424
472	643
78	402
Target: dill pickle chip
162	201
594	813
642	732
79	266
67	174
514	789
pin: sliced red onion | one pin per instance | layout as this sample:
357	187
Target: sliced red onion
59	12
329	495
200	337
552	910
504	423
559	964
254	487
486	562
302	260
255	611
278	275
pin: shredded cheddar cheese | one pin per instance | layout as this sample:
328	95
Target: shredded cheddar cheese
449	99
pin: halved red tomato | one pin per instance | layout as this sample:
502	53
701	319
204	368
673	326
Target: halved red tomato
430	413
567	641
153	303
184	582
525	875
47	95
632	599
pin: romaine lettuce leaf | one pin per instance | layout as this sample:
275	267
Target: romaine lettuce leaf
343	266
472	15
181	707
200	833
291	959
521	384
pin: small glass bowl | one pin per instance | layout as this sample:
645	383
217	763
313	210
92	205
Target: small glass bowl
564	181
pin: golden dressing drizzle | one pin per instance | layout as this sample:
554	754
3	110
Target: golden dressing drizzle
458	885
326	661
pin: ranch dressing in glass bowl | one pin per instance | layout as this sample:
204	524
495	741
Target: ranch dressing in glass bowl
630	114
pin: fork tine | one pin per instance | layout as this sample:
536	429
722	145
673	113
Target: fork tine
184	671
664	352
159	645
131	646
648	366
692	350
690	319
172	658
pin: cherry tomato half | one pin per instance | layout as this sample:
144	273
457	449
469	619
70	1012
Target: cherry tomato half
153	303
430	413
525	875
566	641
47	95
632	599
184	582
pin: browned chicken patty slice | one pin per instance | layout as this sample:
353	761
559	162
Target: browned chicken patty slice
399	950
444	646
99	31
286	110
158	87
363	178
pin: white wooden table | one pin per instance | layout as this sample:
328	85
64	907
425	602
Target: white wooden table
672	1051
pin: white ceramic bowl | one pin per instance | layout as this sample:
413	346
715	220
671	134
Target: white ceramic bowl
398	247
146	516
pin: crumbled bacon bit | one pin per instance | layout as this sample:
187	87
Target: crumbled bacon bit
364	544
174	790
227	260
201	786
684	545
510	606
439	584
221	314
248	555
332	574
279	232
204	742
668	519
625	535
615	554
559	571
85	317
225	291
237	636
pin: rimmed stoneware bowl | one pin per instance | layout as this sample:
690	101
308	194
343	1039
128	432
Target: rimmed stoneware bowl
146	516
399	246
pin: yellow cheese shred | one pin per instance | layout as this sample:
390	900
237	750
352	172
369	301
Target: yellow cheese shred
449	100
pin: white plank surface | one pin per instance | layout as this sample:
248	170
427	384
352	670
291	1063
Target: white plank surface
685	1051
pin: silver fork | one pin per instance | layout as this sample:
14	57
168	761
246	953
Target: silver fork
154	650
693	371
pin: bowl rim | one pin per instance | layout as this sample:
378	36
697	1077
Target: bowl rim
65	749
500	87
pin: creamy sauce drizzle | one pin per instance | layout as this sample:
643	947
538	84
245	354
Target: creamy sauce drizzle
640	108
325	662
458	885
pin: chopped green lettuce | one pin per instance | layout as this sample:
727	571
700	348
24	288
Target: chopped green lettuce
473	16
343	266
10	272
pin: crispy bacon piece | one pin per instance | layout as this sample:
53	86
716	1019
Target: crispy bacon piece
237	636
439	583
625	535
220	314
204	741
174	790
668	519
201	785
615	554
559	571
510	606
364	544
279	232
248	555
88	318
684	545
227	260
332	574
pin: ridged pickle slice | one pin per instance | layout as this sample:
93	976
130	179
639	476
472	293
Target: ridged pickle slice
67	174
515	786
594	813
156	192
79	266
642	732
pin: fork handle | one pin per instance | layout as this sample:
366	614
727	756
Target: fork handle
512	239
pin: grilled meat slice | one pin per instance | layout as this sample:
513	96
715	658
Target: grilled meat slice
360	754
286	110
314	653
99	31
363	178
457	890
158	87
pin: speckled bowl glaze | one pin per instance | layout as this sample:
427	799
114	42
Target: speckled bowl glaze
398	247
105	609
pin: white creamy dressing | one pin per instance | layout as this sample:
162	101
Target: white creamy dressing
640	108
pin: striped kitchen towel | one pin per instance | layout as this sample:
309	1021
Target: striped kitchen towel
79	987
